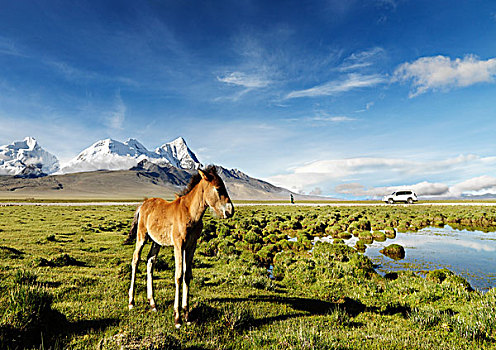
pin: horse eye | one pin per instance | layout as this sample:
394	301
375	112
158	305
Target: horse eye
221	191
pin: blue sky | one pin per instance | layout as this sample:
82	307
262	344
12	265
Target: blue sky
342	98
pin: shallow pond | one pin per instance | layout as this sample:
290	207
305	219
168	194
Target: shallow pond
470	254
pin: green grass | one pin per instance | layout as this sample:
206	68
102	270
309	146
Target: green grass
64	278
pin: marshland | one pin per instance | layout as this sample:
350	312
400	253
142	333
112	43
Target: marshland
275	277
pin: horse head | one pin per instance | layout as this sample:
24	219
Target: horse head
215	194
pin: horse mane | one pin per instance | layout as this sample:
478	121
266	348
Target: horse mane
210	170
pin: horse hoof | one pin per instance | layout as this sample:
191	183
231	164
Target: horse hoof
130	306
178	325
153	309
189	323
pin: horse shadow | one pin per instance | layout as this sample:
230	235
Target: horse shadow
83	326
304	306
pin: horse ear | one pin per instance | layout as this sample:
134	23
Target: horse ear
203	175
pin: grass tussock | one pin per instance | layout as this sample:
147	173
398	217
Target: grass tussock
27	313
10	253
58	261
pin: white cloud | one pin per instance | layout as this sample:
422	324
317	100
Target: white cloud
479	184
442	73
347	167
368	168
353	81
241	79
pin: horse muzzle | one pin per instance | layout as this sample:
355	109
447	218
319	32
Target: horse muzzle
227	210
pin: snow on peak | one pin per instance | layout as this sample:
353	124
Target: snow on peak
179	141
17	156
178	154
29	142
111	154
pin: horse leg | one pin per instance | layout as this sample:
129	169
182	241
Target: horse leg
140	241
178	255
188	276
152	257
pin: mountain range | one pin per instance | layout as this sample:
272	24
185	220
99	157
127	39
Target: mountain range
117	170
28	159
110	154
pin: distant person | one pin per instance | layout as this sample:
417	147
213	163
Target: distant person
292	198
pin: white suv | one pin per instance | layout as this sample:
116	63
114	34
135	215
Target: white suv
401	196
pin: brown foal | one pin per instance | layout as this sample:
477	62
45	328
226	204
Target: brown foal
179	224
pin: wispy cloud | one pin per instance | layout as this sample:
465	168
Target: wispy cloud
388	3
361	59
114	119
248	82
332	119
252	81
368	106
443	73
9	47
351	82
77	75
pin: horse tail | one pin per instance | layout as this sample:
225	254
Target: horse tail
134	228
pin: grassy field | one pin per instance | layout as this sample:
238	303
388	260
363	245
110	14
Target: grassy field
65	275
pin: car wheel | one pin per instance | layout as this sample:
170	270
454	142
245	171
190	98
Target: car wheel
409	201
390	201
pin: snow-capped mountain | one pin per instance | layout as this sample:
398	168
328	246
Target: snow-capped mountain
111	154
178	154
26	158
